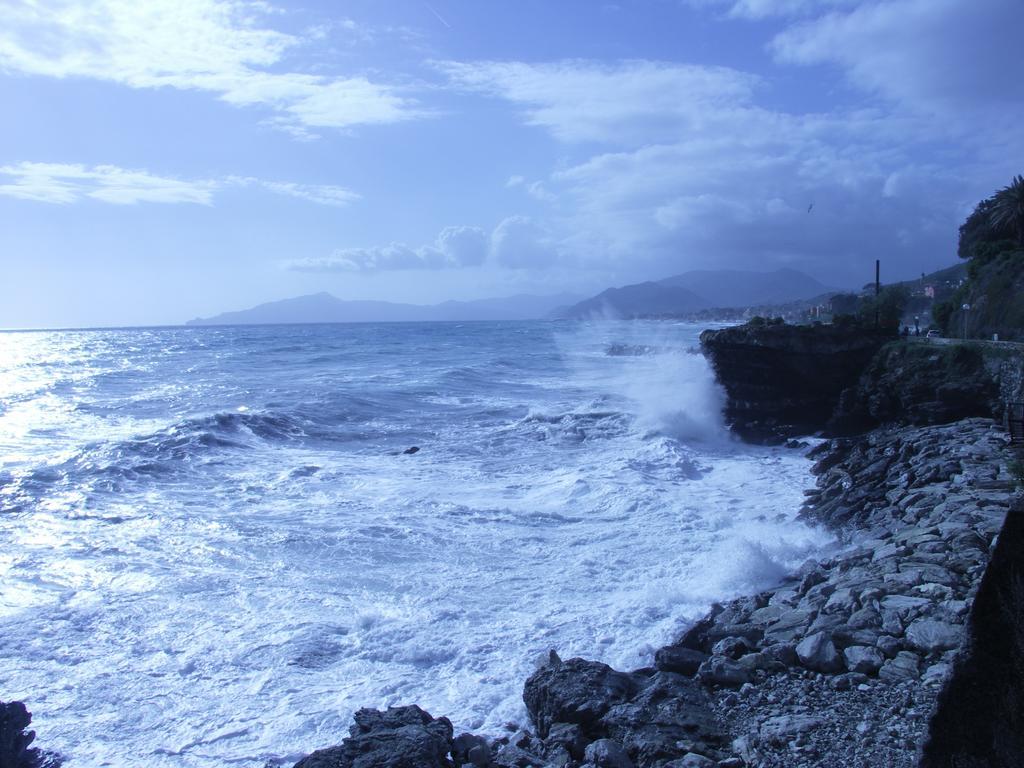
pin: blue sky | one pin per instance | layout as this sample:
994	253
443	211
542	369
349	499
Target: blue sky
176	158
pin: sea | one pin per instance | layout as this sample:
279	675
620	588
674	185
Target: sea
217	543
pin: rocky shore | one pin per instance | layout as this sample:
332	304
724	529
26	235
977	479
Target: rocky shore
904	648
840	665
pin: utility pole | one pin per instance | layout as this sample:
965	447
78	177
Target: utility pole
878	286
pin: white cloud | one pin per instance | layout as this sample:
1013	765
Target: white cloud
938	57
463	246
760	9
516	243
627	102
216	46
68	183
321	194
72	182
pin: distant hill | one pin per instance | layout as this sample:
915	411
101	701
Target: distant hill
699	290
325	308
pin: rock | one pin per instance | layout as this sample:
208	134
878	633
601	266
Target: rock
718	670
669	710
569	736
784	653
400	737
675	658
692	760
15	751
905	666
511	756
931	637
817	652
605	753
474	750
731	647
862	659
574	691
784	381
781	728
937	673
979	719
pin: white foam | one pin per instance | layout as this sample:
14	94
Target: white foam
244	614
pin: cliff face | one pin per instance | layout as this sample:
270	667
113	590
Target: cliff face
920	383
786	380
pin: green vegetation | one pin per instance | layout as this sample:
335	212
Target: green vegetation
884	310
992	240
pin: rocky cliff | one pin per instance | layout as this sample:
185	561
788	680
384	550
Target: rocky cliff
786	380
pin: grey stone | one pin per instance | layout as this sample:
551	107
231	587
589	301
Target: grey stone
574	691
731	647
693	760
888	645
865	618
569	736
468	748
789	627
783	727
930	636
718	670
511	756
905	666
817	652
860	658
400	737
675	658
784	653
605	753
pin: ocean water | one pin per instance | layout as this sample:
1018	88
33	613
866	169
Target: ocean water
214	547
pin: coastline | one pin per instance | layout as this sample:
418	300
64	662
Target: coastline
839	665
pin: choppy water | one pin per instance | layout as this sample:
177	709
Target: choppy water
213	548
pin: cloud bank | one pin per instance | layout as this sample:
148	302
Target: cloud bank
216	46
516	243
63	183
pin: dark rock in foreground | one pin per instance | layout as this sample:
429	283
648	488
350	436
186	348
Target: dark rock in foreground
15	740
400	737
785	380
979	720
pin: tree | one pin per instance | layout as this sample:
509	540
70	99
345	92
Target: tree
1007	209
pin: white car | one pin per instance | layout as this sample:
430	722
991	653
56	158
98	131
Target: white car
933	334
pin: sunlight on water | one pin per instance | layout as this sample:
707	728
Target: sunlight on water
216	548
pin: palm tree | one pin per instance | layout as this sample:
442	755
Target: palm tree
1007	212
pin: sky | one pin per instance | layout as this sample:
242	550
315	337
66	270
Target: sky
169	159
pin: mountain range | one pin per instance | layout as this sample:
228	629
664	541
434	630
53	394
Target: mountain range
680	294
325	308
700	290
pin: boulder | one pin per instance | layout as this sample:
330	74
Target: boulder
904	666
930	637
574	691
860	658
15	739
669	711
675	658
817	652
400	737
605	753
719	670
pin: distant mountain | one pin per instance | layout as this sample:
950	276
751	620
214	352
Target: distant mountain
325	308
638	299
701	289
